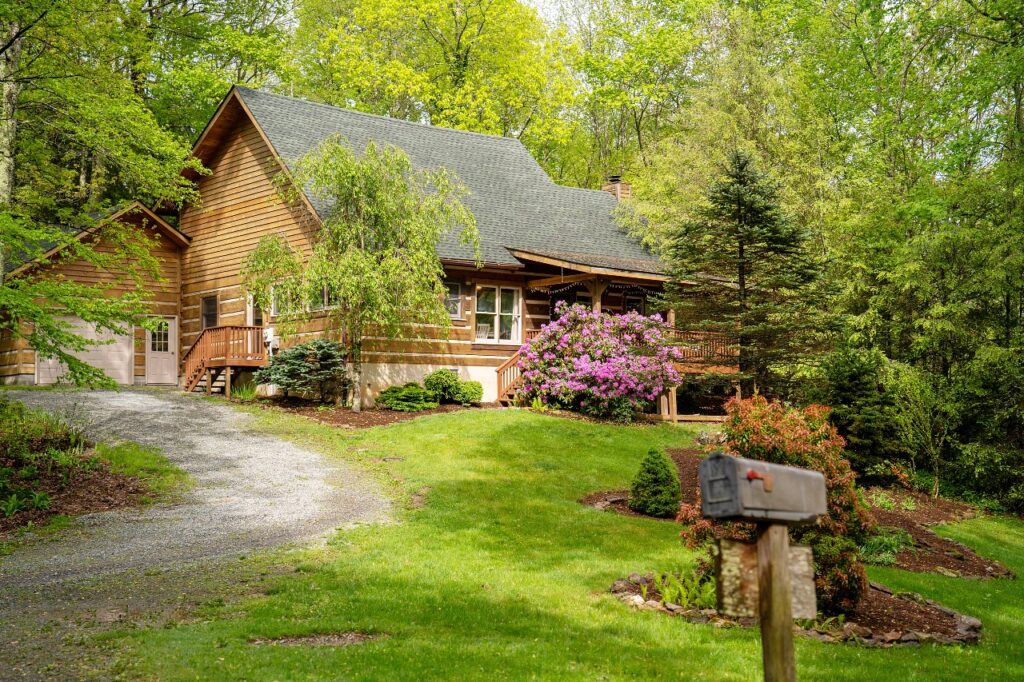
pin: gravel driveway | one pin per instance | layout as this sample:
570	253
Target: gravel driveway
252	491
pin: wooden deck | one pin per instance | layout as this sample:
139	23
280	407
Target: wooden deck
221	350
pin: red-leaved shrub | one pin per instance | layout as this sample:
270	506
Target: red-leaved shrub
770	431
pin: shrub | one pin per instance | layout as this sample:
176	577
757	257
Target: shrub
444	384
863	407
655	489
316	367
758	429
447	388
469	393
606	366
408	398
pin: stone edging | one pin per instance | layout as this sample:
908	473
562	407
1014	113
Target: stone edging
968	628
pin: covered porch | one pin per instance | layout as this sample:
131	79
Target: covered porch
613	286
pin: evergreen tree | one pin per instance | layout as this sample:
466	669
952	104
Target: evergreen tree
742	268
655	490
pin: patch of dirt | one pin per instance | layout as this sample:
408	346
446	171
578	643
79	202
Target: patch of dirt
914	512
345	418
85	490
335	639
613	500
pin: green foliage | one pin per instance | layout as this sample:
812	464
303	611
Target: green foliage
408	398
444	384
691	590
244	392
489	67
742	264
316	367
863	409
655	489
773	432
375	256
469	393
882	500
882	547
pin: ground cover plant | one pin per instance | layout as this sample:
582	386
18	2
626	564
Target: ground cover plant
49	470
502	574
606	366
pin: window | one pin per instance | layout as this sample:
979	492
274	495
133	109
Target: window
453	300
634	303
497	314
160	337
253	314
209	311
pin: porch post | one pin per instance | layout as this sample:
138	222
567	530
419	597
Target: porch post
672	405
597	288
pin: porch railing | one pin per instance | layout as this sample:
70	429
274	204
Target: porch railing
216	347
704	346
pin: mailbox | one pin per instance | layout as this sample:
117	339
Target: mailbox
734	488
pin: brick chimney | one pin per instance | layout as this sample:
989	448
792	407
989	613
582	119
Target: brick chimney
617	188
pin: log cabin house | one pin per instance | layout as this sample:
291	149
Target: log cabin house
540	243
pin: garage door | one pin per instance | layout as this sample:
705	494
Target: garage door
116	358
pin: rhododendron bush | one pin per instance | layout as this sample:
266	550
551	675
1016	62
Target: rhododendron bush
607	366
770	431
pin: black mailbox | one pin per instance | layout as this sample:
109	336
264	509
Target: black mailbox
750	490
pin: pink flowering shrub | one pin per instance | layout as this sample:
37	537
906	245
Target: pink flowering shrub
606	366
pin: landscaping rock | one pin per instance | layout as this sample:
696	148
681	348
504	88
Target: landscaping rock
949	573
852	630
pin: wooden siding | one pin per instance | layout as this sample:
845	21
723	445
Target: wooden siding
240	205
163	295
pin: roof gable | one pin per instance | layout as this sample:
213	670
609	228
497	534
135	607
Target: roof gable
516	204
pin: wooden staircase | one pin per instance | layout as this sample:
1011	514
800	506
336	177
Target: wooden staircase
509	379
217	352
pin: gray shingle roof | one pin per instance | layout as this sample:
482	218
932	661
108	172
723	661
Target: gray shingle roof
515	203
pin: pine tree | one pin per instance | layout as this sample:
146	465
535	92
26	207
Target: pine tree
742	268
655	490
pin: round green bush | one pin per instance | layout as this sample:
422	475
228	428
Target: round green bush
655	490
444	384
469	393
408	398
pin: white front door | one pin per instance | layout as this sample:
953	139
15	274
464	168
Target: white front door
162	352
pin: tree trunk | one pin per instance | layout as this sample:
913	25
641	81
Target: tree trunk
8	123
357	388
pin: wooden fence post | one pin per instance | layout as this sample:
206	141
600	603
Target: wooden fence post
775	603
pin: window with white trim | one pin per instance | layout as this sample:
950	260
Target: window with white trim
453	300
498	317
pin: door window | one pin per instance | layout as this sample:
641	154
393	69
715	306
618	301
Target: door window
160	337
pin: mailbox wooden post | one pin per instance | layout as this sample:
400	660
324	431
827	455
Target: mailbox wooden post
775	611
772	496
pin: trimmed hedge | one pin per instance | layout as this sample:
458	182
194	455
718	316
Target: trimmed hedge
447	388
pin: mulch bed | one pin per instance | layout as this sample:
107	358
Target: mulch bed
345	418
86	491
883	618
931	553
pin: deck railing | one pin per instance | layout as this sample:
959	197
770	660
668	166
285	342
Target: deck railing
704	346
232	346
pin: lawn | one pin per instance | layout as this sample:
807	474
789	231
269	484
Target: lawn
502	575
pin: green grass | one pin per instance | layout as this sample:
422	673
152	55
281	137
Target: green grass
503	575
164	480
